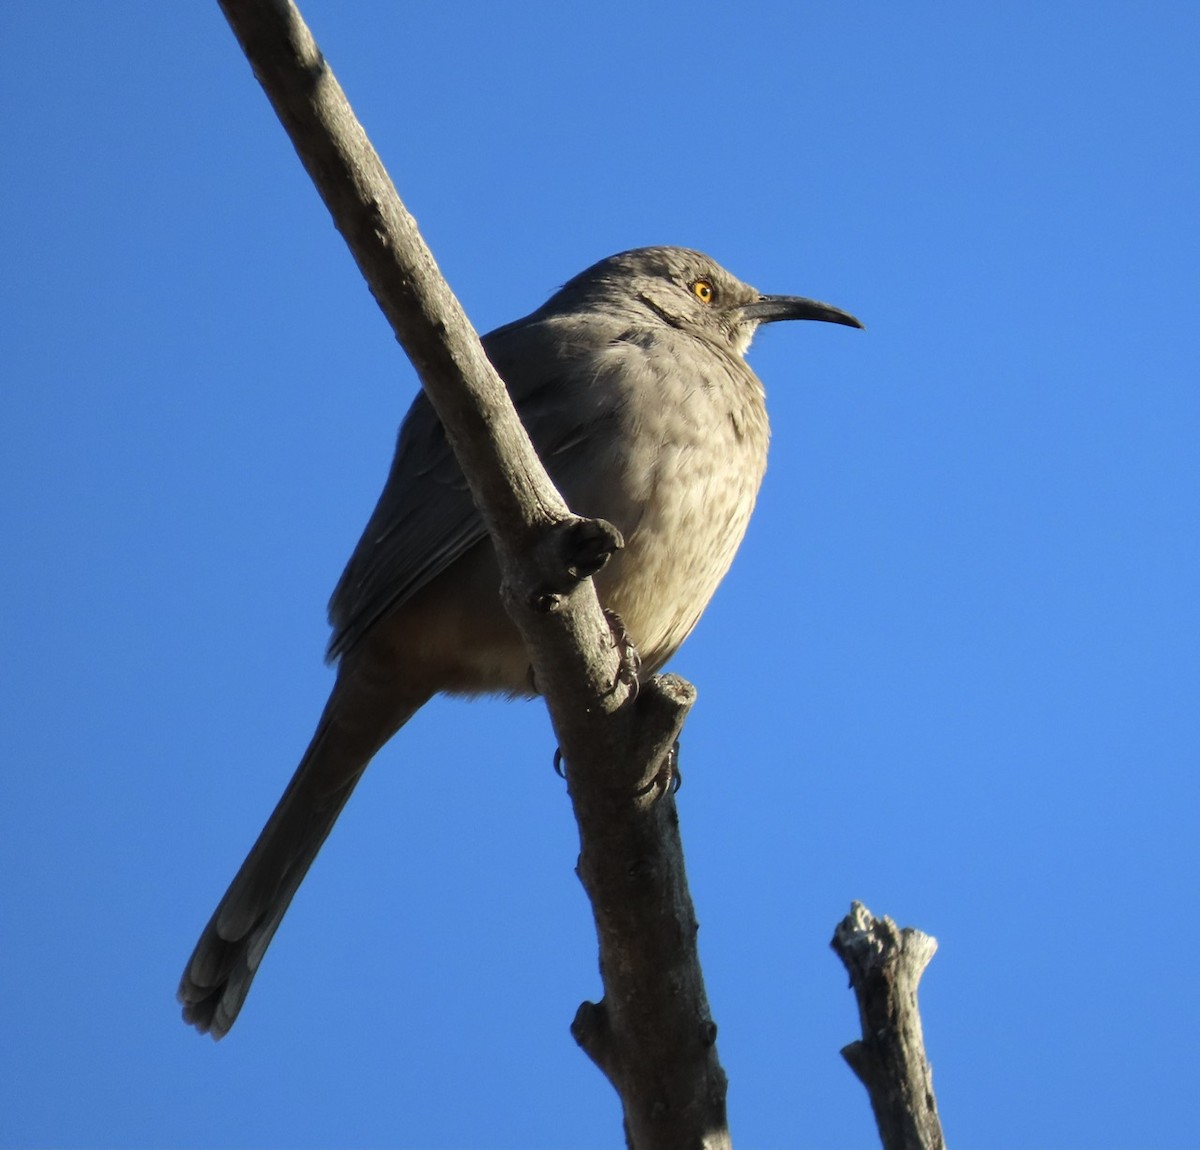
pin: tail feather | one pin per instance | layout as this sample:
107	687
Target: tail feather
218	976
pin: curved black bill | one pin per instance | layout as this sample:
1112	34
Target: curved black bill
770	308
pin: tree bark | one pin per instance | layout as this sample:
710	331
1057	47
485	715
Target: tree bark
885	964
652	1034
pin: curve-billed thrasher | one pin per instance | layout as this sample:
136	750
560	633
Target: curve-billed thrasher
631	383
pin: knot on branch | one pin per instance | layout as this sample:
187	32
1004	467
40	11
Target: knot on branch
585	545
592	1031
568	552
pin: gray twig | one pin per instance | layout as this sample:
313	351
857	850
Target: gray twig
885	964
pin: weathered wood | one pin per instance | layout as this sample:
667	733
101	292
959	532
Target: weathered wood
885	964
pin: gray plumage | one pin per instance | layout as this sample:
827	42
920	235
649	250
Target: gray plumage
632	384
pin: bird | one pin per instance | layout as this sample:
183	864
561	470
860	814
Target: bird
632	383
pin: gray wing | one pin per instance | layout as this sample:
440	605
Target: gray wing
426	518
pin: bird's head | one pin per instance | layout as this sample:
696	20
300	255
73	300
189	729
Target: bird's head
687	290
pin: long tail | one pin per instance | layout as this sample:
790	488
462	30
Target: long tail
357	721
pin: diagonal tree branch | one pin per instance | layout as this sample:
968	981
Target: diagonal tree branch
652	1034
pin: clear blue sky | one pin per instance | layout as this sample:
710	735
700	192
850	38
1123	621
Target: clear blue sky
953	674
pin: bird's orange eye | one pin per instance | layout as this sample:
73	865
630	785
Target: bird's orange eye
704	291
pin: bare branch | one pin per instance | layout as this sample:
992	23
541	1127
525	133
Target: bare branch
652	1034
885	964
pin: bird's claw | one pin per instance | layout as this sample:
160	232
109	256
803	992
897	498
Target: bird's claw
671	769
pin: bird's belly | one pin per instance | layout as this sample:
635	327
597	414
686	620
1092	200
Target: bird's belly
689	528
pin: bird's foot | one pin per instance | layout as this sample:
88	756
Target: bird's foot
630	668
670	777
